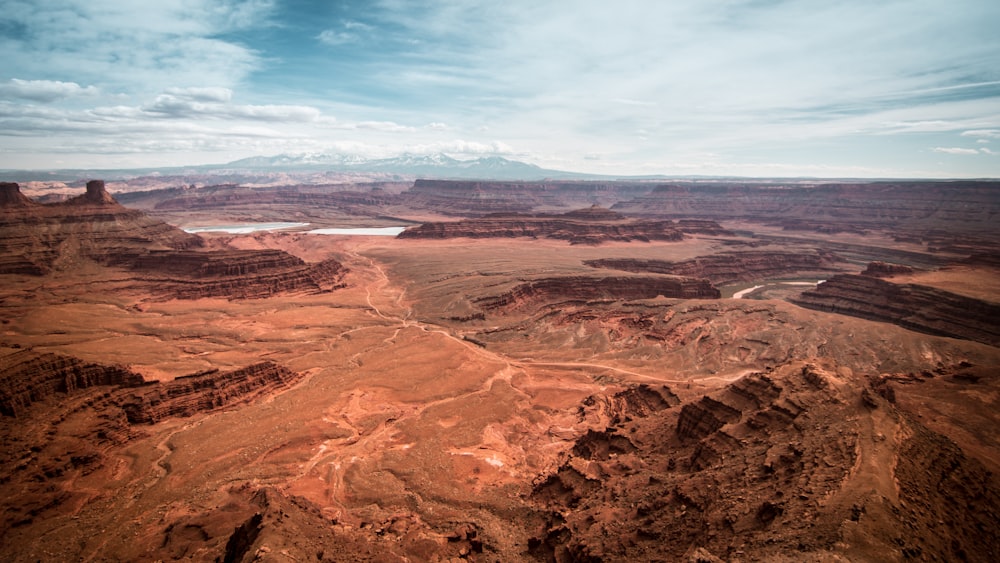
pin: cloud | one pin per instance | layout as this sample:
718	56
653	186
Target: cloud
185	103
133	46
350	31
202	94
983	133
955	150
44	90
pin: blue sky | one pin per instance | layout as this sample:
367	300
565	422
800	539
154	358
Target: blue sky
742	87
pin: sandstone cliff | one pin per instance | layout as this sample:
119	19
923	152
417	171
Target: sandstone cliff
886	270
482	197
958	205
731	267
27	377
593	225
579	288
35	237
203	392
915	307
795	460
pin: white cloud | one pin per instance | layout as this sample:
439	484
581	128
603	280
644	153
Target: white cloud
202	94
955	150
334	38
983	133
44	90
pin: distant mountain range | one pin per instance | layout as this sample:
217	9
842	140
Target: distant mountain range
434	166
420	166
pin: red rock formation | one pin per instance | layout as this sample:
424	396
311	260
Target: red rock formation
588	226
576	288
27	377
203	392
732	267
477	198
11	196
316	200
94	226
287	274
915	307
960	205
886	270
777	463
33	237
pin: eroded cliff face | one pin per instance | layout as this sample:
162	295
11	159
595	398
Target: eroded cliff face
961	206
915	307
801	459
886	270
482	197
542	291
27	377
203	392
63	419
36	239
731	267
592	225
233	274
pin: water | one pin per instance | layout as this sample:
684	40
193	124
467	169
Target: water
245	228
370	231
744	292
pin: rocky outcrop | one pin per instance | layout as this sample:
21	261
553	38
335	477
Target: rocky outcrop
958	205
39	238
732	267
886	270
294	200
204	392
233	274
915	307
28	377
479	198
34	238
791	461
265	282
579	288
96	194
11	196
593	225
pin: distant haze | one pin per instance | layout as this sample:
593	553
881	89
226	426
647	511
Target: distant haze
688	87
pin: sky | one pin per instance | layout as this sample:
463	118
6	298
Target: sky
851	88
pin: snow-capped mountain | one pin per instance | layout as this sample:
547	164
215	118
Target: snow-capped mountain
434	165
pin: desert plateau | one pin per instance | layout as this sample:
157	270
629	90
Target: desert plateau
529	371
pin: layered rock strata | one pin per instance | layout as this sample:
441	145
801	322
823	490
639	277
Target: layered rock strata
482	197
27	377
34	237
233	274
203	392
879	269
959	205
579	288
589	226
732	267
795	460
915	307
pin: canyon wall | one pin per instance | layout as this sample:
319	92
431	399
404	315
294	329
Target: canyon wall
915	307
577	288
732	267
958	205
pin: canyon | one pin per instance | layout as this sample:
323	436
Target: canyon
532	371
